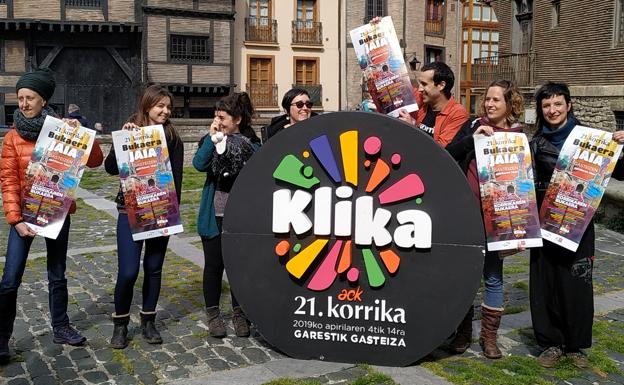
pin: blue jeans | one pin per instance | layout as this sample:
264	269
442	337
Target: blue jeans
129	260
16	255
493	280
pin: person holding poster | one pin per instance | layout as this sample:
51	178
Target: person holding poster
232	124
34	89
561	290
298	106
499	110
154	108
439	115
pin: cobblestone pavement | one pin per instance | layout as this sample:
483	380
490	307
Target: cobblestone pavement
187	352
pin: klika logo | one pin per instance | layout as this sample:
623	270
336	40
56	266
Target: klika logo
353	237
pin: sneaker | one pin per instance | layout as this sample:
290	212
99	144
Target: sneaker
67	334
579	359
549	357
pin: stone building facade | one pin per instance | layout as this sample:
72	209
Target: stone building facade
574	41
428	31
104	51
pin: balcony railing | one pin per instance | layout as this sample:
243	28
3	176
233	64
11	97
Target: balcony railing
262	95
515	67
315	91
261	30
307	32
83	3
434	27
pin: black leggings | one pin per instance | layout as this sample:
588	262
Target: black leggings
213	269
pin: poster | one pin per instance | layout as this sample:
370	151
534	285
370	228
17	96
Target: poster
508	199
579	180
381	60
147	182
56	166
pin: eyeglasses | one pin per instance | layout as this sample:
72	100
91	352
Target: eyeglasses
300	104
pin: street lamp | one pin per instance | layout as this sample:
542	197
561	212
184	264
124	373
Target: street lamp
413	62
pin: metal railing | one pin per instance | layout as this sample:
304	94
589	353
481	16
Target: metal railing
261	29
307	32
262	95
84	3
517	67
434	27
315	91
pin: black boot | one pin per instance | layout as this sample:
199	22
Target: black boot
120	333
5	356
148	328
240	322
463	337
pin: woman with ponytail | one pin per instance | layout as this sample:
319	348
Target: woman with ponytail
221	154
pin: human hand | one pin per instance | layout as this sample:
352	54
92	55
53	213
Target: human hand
24	230
72	122
129	126
214	127
618	136
406	117
375	20
484	130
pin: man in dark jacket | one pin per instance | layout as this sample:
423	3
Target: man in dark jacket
74	113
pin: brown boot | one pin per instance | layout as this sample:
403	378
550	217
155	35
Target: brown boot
463	336
240	322
490	321
216	327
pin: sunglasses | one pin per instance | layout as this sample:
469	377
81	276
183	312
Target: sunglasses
300	104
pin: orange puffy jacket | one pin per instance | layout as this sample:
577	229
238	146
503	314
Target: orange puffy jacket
16	153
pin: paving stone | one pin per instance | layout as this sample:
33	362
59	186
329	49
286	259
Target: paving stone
12	369
255	355
87	363
66	374
347	375
186	359
148	379
204	353
191	342
74	382
114	368
217	364
160	357
18	381
63	362
175	348
95	377
175	372
126	379
142	367
37	367
78	353
44	380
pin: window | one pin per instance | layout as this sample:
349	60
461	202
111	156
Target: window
555	16
260	9
433	54
374	8
434	17
306	10
81	3
190	48
306	71
260	81
619	120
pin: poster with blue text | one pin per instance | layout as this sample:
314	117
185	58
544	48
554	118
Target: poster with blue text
577	185
508	200
147	182
56	166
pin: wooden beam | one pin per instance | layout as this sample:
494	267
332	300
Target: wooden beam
120	62
51	56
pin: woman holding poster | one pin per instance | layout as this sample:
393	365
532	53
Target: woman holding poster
561	291
499	110
154	108
222	153
34	89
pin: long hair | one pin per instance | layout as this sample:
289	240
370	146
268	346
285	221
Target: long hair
150	97
514	101
547	91
239	105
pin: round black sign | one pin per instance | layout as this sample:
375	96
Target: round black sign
353	237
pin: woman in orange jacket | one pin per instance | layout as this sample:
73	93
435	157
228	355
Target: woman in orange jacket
34	89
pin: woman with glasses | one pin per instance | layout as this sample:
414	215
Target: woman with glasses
298	107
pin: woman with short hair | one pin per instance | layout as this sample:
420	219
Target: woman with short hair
298	107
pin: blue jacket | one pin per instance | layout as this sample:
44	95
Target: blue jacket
206	220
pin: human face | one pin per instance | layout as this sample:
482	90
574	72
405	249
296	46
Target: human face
160	112
495	106
298	114
227	123
431	93
555	110
30	102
